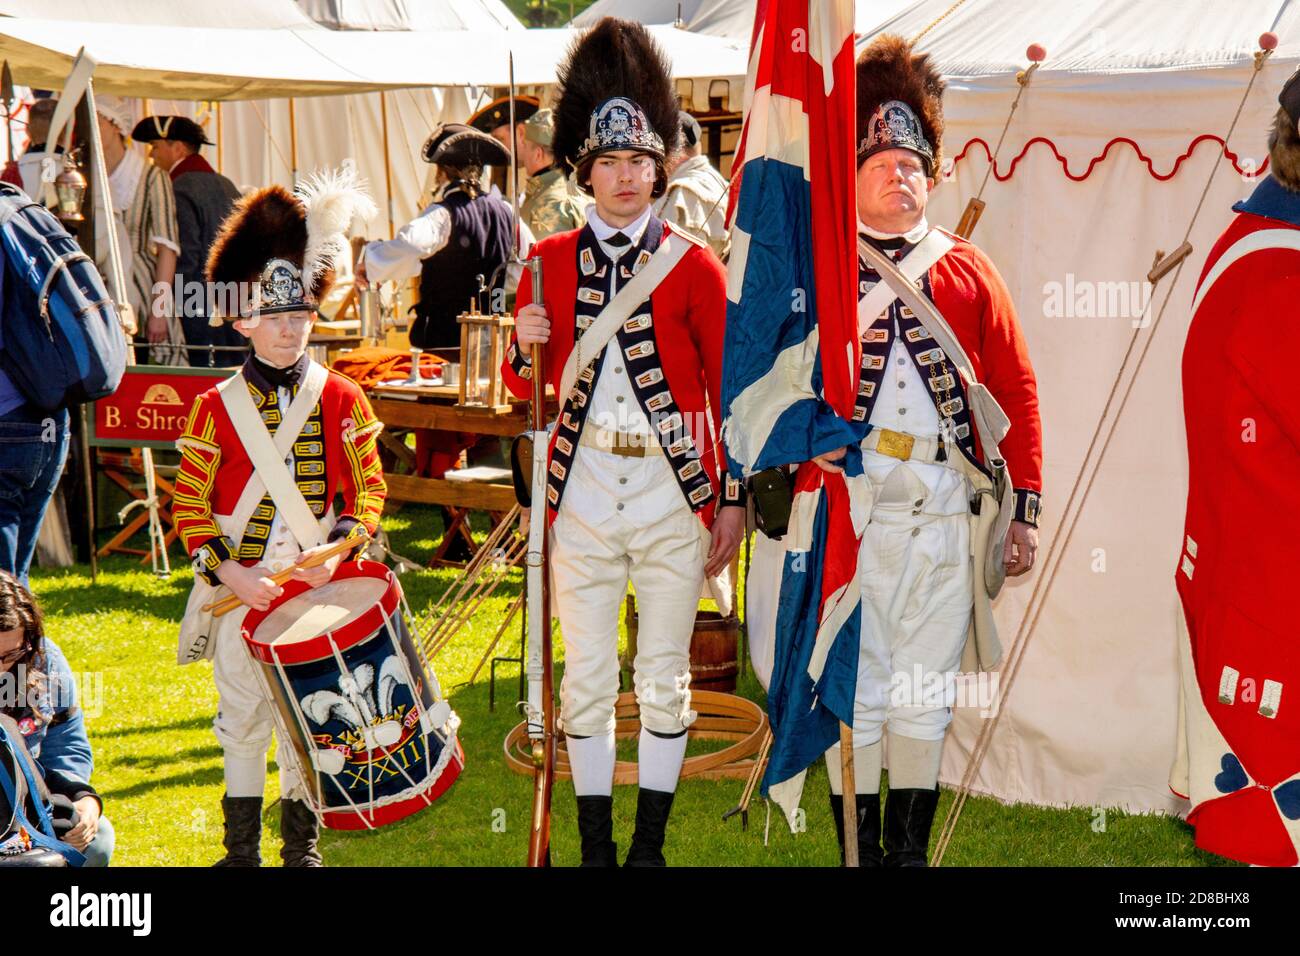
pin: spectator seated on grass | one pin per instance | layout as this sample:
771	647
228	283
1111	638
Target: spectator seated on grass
38	691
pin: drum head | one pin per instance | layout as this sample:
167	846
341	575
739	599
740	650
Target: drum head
319	610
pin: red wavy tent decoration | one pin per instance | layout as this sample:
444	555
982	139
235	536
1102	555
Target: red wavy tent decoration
1163	177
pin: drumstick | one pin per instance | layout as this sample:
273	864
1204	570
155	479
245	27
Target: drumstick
342	546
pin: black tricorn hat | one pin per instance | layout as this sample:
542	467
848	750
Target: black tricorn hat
497	113
181	129
455	144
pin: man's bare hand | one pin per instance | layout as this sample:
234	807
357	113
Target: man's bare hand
1021	547
532	325
826	462
320	574
253	586
156	330
726	534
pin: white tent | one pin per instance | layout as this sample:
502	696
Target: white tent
725	18
411	14
182	51
266	51
1104	162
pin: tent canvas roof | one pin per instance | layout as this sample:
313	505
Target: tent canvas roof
729	18
206	59
984	37
411	14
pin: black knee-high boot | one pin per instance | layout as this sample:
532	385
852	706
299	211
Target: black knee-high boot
243	831
299	829
596	827
908	816
868	806
652	809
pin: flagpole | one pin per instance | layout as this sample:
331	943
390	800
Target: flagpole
850	801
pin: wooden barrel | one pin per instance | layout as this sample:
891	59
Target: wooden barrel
715	646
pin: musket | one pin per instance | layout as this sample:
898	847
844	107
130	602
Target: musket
539	709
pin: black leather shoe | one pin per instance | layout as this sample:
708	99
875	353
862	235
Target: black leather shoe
868	806
652	809
908	816
299	829
243	831
596	827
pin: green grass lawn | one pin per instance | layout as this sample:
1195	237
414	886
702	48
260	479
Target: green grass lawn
158	766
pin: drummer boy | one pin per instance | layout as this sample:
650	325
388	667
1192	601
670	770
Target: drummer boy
321	426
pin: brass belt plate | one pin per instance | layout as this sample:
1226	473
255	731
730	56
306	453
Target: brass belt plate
895	444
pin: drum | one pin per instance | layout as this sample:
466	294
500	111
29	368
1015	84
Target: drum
372	735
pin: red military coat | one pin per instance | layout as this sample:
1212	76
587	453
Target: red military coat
689	319
336	453
970	294
1236	575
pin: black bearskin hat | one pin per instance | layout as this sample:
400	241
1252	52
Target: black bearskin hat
614	91
1284	139
280	247
900	101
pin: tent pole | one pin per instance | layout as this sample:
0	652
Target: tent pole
293	144
388	169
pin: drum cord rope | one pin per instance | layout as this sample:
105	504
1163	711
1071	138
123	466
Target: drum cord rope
1043	585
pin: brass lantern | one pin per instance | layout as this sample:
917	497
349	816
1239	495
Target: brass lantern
484	338
70	189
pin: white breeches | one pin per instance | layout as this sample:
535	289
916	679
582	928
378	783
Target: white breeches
591	566
244	722
915	571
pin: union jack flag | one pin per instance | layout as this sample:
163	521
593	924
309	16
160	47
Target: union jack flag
790	372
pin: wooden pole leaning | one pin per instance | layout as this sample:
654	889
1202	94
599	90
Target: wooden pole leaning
850	796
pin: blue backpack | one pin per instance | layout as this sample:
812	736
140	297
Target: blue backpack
60	339
27	836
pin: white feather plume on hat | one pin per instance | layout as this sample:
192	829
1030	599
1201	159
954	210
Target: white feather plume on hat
333	198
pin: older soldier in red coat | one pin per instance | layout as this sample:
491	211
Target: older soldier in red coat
1239	760
914	559
634	488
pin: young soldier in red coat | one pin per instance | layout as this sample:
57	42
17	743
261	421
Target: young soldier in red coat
914	560
263	246
634	469
1239	760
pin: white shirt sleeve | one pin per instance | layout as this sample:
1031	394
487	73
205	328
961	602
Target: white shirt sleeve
400	257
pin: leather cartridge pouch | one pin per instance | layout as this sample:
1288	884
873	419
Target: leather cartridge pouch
770	489
521	468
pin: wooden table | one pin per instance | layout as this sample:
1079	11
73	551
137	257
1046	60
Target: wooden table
434	406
